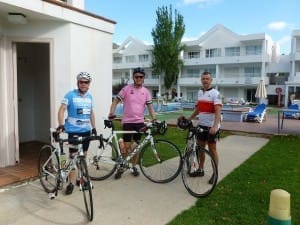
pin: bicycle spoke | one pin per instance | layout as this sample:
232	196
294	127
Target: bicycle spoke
161	164
199	184
102	162
48	169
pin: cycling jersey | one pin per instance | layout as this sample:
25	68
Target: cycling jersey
79	112
135	100
206	106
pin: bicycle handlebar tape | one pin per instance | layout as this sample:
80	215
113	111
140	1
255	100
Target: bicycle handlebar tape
279	208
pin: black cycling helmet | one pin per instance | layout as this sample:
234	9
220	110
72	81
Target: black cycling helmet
138	70
183	123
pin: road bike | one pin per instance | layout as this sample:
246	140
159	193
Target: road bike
199	183
159	160
53	168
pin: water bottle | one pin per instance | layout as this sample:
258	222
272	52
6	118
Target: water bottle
121	143
63	159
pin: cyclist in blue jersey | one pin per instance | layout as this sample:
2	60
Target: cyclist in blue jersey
80	119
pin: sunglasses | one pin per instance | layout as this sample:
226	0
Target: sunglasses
138	77
83	82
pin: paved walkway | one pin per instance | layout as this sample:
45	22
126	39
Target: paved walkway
128	201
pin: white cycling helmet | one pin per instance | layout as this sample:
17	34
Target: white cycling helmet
84	75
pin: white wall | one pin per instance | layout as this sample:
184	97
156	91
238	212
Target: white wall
73	48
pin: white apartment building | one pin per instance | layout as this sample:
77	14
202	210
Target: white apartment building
237	63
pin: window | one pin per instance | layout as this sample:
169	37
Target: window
193	55
231	72
130	58
143	58
232	51
155	75
192	72
253	50
213	52
117	60
252	71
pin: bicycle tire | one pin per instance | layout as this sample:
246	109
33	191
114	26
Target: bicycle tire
48	168
102	162
86	188
169	166
199	186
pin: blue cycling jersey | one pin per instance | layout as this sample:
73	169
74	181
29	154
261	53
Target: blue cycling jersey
79	112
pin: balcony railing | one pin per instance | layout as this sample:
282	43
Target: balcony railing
226	60
192	81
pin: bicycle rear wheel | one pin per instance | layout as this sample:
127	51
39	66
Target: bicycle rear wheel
86	188
199	185
160	163
102	162
48	168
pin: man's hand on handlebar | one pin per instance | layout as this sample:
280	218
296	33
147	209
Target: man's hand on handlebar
60	128
111	116
94	131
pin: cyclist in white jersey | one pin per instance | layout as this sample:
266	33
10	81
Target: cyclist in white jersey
208	110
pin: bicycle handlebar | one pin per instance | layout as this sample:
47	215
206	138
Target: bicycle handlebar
161	127
79	140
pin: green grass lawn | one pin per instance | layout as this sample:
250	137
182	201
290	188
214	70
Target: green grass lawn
242	197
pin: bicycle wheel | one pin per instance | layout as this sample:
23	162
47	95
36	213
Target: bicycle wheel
48	168
160	163
199	185
102	162
86	188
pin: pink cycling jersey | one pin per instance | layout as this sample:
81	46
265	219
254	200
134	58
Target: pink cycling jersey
134	103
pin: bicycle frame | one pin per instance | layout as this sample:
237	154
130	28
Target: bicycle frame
113	138
71	163
153	155
199	172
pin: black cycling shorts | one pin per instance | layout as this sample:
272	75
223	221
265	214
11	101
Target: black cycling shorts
85	144
135	127
206	136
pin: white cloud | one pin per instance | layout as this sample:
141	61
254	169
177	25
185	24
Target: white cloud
189	38
279	25
199	2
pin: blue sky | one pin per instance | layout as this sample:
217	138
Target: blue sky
137	18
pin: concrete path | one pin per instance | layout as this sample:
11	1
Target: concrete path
128	201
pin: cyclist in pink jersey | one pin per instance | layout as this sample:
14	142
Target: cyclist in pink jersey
135	98
208	110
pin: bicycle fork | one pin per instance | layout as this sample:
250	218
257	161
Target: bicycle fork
153	148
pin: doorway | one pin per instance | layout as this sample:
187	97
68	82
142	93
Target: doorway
33	94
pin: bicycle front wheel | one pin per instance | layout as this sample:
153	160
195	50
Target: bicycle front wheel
102	162
85	186
199	184
48	168
160	163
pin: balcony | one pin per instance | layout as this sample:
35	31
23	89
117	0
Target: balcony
296	56
225	60
129	65
295	78
147	82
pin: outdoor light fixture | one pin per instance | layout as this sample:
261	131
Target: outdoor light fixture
17	18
